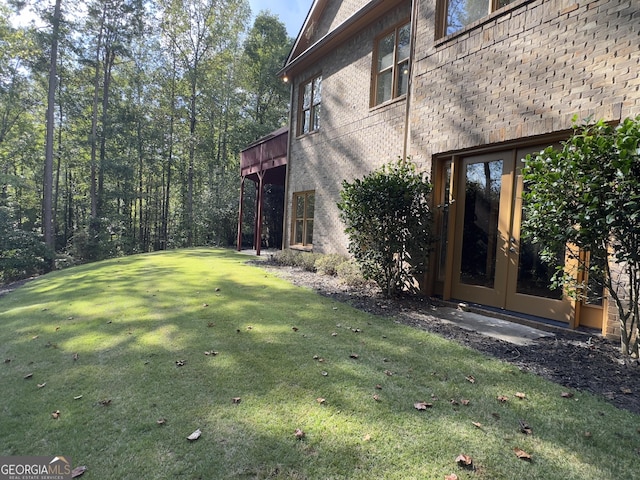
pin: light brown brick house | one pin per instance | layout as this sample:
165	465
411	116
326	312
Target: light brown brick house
466	88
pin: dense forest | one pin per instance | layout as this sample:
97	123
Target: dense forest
121	123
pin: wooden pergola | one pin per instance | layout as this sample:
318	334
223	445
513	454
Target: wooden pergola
264	162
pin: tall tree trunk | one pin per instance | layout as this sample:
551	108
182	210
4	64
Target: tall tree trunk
109	59
94	120
47	203
192	156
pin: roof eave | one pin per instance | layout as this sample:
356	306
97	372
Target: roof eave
360	19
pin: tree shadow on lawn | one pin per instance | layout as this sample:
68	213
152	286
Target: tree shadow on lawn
279	349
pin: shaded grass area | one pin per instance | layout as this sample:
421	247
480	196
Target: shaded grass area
279	349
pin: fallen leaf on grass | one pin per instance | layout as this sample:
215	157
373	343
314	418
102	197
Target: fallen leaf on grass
211	324
299	434
503	398
295	329
205	304
7	360
236	400
376	398
477	424
422	405
76	472
55	414
470	379
28	376
180	363
465	402
366	438
453	476
465	461
194	436
211	353
521	454
42	385
525	428
520	395
626	391
378	387
75	357
105	403
354	356
388	373
77	397
566	395
587	435
320	400
324	374
161	421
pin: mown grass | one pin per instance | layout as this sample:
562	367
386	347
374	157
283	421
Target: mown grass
129	320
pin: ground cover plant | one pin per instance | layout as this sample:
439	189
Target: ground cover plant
135	354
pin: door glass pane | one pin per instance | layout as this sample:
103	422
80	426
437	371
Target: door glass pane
534	275
444	219
483	182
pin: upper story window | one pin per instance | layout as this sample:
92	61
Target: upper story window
391	64
460	13
309	105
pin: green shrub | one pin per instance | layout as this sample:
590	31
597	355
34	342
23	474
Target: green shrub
294	258
350	274
307	261
328	264
389	223
286	257
22	253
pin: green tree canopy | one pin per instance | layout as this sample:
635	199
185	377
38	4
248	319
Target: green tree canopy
586	196
389	222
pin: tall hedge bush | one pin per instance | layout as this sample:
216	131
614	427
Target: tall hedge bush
388	220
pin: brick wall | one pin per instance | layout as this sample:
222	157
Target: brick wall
523	72
353	139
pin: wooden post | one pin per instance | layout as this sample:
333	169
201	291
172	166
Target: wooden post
240	213
258	239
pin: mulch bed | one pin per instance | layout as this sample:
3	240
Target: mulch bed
574	360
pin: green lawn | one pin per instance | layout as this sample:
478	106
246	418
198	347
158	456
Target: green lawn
288	355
